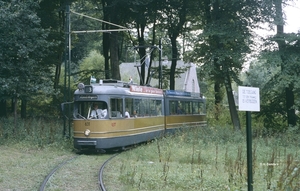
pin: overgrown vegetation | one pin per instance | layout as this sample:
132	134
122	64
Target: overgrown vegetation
33	133
209	158
212	159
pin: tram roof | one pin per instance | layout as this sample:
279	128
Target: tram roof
120	89
116	87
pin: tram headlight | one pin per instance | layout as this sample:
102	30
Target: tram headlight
87	132
80	86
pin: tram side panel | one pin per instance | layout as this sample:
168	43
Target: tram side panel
174	122
104	134
183	110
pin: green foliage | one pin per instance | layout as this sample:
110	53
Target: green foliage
84	43
92	65
37	133
210	158
23	46
273	72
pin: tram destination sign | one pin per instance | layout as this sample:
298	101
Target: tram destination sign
144	89
249	99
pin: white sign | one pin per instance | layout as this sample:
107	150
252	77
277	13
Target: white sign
249	99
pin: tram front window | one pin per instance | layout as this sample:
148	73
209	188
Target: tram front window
86	110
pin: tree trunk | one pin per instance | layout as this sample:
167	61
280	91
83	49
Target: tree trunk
115	71
151	56
289	94
232	108
290	101
23	108
174	61
218	98
141	51
3	112
105	41
15	104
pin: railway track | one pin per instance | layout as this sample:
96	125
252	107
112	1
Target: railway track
59	166
43	185
100	177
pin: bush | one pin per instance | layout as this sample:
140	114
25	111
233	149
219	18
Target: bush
36	132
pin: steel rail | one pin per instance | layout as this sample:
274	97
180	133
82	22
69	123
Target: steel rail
43	185
100	177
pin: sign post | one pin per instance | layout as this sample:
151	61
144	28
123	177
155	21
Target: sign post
249	101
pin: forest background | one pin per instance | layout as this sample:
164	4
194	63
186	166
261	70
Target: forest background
219	36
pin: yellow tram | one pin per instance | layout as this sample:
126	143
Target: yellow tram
112	113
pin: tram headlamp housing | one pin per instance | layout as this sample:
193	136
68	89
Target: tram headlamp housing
87	132
80	86
88	89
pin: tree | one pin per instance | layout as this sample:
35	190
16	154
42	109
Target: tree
174	16
280	87
225	42
141	15
285	66
92	65
23	47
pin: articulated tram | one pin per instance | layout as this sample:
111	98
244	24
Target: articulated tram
113	114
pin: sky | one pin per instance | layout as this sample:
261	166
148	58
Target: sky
292	20
292	13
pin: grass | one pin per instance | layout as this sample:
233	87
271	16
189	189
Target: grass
210	159
24	168
198	159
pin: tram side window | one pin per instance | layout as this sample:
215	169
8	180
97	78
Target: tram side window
195	108
158	105
137	107
202	109
129	107
116	107
144	107
198	108
173	107
187	107
180	107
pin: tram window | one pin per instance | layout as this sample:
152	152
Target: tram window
173	107
180	107
116	107
98	110
83	110
187	107
146	107
202	109
142	107
158	107
137	107
129	106
195	107
198	108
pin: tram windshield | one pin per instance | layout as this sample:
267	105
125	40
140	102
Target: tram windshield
90	110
